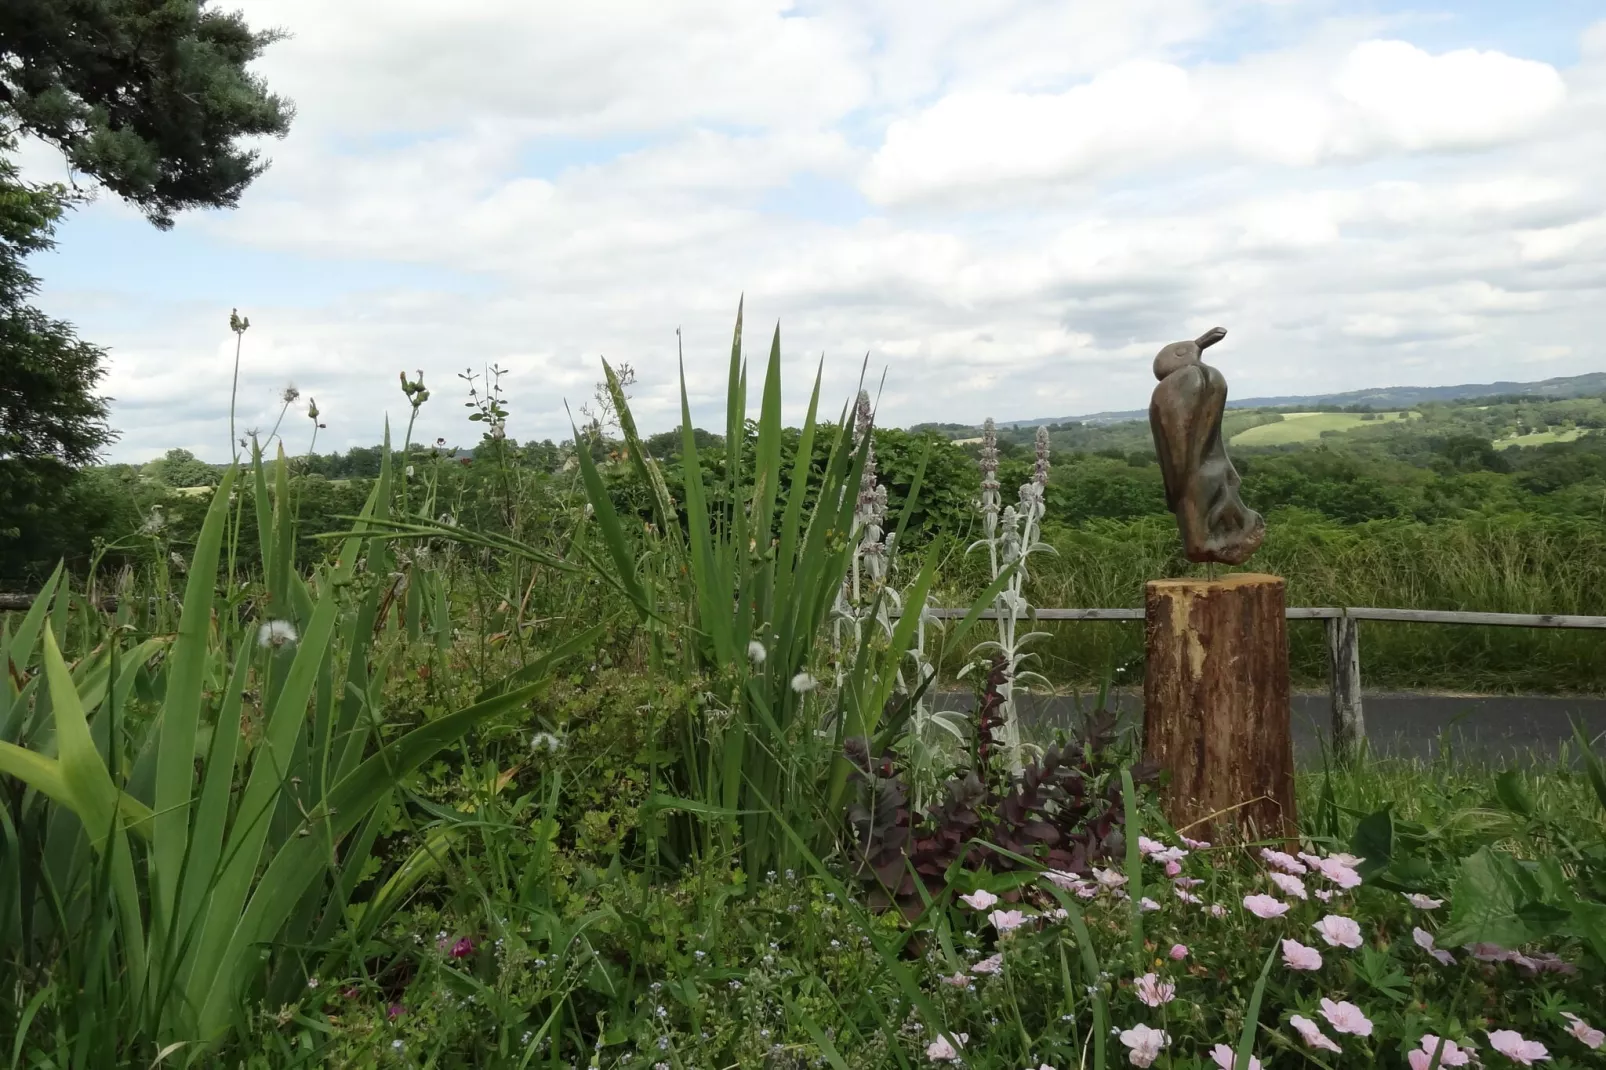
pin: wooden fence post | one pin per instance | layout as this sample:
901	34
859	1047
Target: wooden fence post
1344	676
1215	703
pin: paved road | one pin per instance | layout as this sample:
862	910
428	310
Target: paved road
1399	724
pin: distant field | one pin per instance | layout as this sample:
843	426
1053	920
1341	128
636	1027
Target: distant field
1308	427
1539	438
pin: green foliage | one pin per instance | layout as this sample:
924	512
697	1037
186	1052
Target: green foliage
149	99
51	422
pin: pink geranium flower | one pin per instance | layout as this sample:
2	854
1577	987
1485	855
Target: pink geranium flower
1283	861
1339	872
1339	931
1187	882
1227	1059
1061	879
1346	1017
1585	1033
944	1049
1145	1044
1264	906
1173	868
1154	992
1217	910
1178	952
1148	904
990	964
1423	902
1109	878
1300	957
1518	1048
1289	885
980	899
1187	896
1194	845
1451	1054
1424	940
1312	1034
1007	920
958	980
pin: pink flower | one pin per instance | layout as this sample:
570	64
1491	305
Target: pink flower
1006	920
1194	845
1109	878
1300	957
1514	1046
1217	910
944	1050
990	964
1346	1017
1178	952
1264	906
1587	1034
958	980
1451	1054
980	899
1324	895
1148	904
1061	879
1154	992
1339	931
1187	882
1187	897
1145	1044
1173	868
1340	873
463	948
1227	1059
1312	1034
1422	902
1547	962
1290	885
395	1011
1424	940
1150	847
1313	861
1283	861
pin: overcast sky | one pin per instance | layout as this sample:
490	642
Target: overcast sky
1009	205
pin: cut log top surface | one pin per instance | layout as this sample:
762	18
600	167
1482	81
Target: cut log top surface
1195	584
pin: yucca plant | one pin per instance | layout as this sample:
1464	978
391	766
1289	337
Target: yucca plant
231	843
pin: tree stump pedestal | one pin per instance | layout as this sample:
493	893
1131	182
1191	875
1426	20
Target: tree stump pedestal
1216	710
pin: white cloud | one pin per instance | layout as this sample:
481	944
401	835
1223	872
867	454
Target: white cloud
1458	100
1383	96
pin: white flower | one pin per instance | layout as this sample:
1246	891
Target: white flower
1145	1044
276	633
944	1050
546	741
803	683
980	899
756	652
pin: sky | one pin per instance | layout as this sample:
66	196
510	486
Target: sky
1008	205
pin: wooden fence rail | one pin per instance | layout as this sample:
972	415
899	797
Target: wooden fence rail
1343	644
1343	641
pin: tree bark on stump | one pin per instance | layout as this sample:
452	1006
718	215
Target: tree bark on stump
1216	710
